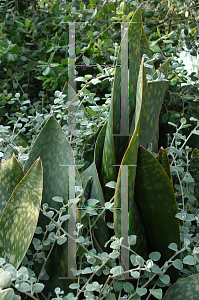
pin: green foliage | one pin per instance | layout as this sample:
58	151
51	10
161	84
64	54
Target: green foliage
56	155
163	189
184	288
10	173
20	215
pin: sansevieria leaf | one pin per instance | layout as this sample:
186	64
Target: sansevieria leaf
114	146
20	216
10	175
164	161
184	289
96	193
194	170
108	170
144	49
90	148
131	41
99	145
121	222
156	91
135	31
157	205
57	156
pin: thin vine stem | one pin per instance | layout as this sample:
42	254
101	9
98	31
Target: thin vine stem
185	142
92	276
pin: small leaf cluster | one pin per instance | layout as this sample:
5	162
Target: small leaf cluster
23	280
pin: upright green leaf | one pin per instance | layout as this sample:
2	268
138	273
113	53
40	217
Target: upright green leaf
96	193
89	151
90	147
130	158
135	31
164	161
10	175
132	35
184	289
156	90
20	216
114	147
56	155
157	205
194	170
108	170
144	49
99	145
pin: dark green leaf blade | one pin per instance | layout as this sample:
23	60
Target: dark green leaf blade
144	49
20	216
187	288
96	193
157	205
99	145
56	155
10	175
108	170
135	31
194	170
164	161
130	158
156	90
131	39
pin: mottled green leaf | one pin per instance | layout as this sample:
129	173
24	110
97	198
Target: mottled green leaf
130	40
108	170
89	149
96	193
20	216
184	289
157	205
144	49
156	90
164	161
194	170
99	145
135	31
56	155
10	175
130	158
